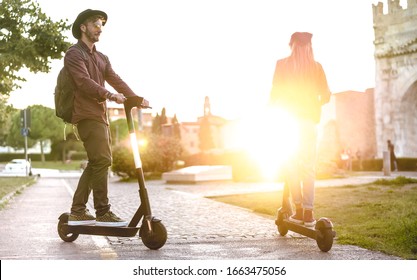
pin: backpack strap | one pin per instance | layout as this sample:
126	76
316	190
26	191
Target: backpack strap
74	131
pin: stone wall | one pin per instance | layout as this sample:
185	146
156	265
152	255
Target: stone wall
396	76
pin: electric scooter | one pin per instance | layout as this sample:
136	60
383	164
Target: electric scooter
151	231
323	231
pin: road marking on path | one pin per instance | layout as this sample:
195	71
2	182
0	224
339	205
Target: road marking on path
106	252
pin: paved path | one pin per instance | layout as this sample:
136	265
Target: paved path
198	227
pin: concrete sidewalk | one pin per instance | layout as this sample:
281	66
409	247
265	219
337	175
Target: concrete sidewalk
198	228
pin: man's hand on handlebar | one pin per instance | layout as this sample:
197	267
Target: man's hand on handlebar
145	103
116	97
120	98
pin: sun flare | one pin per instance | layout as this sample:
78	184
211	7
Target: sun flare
270	137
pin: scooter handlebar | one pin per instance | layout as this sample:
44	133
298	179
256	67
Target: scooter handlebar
134	101
129	104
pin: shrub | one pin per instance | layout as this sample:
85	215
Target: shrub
158	155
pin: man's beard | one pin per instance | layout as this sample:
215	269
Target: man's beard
91	37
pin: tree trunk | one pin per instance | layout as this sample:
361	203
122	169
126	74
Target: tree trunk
42	153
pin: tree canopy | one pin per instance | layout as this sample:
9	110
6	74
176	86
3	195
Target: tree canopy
28	39
44	125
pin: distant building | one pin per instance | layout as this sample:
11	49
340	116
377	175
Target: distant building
355	119
348	123
190	138
116	111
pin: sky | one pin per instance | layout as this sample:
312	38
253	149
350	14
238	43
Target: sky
176	52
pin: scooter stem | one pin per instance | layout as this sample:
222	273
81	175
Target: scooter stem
145	208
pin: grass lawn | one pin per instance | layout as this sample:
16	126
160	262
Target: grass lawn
73	165
380	216
9	185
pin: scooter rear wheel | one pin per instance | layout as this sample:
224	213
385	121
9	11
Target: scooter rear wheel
156	238
325	239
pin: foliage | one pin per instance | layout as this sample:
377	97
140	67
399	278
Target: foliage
123	164
163	119
28	38
176	127
159	121
69	148
119	131
159	149
404	164
6	113
156	124
44	124
14	138
158	155
59	165
398	181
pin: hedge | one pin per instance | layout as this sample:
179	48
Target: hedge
6	157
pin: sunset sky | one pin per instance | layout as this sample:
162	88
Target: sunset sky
174	53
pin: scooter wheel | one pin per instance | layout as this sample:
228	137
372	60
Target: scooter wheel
156	238
281	215
67	237
325	239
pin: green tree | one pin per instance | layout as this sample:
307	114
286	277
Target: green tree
15	138
123	164
156	124
65	149
157	156
160	153
176	127
119	131
6	113
45	126
28	39
158	121
163	118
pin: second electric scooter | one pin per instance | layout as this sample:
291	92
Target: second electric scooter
323	231
151	231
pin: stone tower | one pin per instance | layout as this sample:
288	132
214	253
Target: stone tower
396	77
207	107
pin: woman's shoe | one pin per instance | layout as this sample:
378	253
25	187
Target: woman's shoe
298	218
309	220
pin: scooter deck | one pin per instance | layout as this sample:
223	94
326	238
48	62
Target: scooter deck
102	230
303	230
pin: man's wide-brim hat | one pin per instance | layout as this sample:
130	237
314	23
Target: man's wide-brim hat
76	31
301	38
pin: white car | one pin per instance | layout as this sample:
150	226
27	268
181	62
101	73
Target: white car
20	166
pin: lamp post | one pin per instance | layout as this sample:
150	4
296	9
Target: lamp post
25	123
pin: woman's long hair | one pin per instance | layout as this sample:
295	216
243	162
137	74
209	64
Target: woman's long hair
301	60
